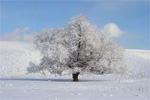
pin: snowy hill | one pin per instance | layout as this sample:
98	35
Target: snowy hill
15	58
16	84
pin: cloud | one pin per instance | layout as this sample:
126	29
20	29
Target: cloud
25	29
112	29
19	34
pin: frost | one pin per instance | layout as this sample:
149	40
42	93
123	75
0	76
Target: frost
79	47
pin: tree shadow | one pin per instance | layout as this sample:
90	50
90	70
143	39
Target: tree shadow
93	80
52	80
36	79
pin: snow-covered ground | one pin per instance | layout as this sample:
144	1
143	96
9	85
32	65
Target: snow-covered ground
16	84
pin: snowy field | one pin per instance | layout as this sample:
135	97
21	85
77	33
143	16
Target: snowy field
17	84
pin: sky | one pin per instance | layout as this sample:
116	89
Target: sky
127	21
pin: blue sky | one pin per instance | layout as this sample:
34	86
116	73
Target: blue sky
132	17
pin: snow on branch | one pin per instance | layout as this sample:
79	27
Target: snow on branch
78	47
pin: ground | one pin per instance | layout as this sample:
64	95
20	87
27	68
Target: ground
65	89
17	84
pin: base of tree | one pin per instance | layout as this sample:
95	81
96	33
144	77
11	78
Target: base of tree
75	77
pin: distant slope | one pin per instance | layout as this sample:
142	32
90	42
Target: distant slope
138	63
15	58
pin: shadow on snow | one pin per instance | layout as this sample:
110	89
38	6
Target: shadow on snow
51	80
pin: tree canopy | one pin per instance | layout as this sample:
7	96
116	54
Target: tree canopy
79	47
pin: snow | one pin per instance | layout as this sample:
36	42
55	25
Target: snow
16	84
56	89
138	63
15	58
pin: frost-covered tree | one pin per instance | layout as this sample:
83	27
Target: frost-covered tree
77	48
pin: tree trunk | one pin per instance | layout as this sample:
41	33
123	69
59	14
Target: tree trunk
75	77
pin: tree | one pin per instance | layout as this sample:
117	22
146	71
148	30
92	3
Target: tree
78	48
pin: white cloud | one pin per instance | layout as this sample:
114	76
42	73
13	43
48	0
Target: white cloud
16	35
112	29
25	29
